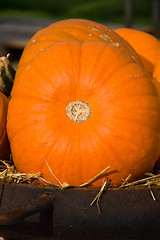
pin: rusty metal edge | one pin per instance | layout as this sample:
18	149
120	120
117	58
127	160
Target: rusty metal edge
125	214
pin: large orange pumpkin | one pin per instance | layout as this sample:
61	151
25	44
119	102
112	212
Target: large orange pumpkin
73	30
145	44
80	107
4	143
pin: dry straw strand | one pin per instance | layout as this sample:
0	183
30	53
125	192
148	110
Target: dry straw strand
98	196
10	174
94	178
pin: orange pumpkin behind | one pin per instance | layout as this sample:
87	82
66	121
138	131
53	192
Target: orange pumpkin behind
146	45
83	106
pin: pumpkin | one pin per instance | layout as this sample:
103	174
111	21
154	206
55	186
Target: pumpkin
78	107
73	30
145	44
4	143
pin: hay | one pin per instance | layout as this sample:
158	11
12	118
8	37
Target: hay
105	185
152	179
9	173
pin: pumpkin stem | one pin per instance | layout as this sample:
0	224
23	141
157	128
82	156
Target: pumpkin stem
78	111
7	74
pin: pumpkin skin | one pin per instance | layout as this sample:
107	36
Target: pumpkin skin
156	71
146	45
122	130
4	143
156	80
73	30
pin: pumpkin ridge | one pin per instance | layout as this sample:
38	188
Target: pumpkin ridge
71	48
137	123
121	66
43	164
90	162
117	69
84	30
77	75
90	98
130	144
32	124
134	96
81	28
133	79
86	25
116	99
99	56
105	79
96	132
109	146
33	98
51	143
100	26
61	162
114	134
112	150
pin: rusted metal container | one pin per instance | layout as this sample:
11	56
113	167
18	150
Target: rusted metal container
66	214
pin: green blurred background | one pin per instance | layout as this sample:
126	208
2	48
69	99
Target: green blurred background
99	10
19	19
